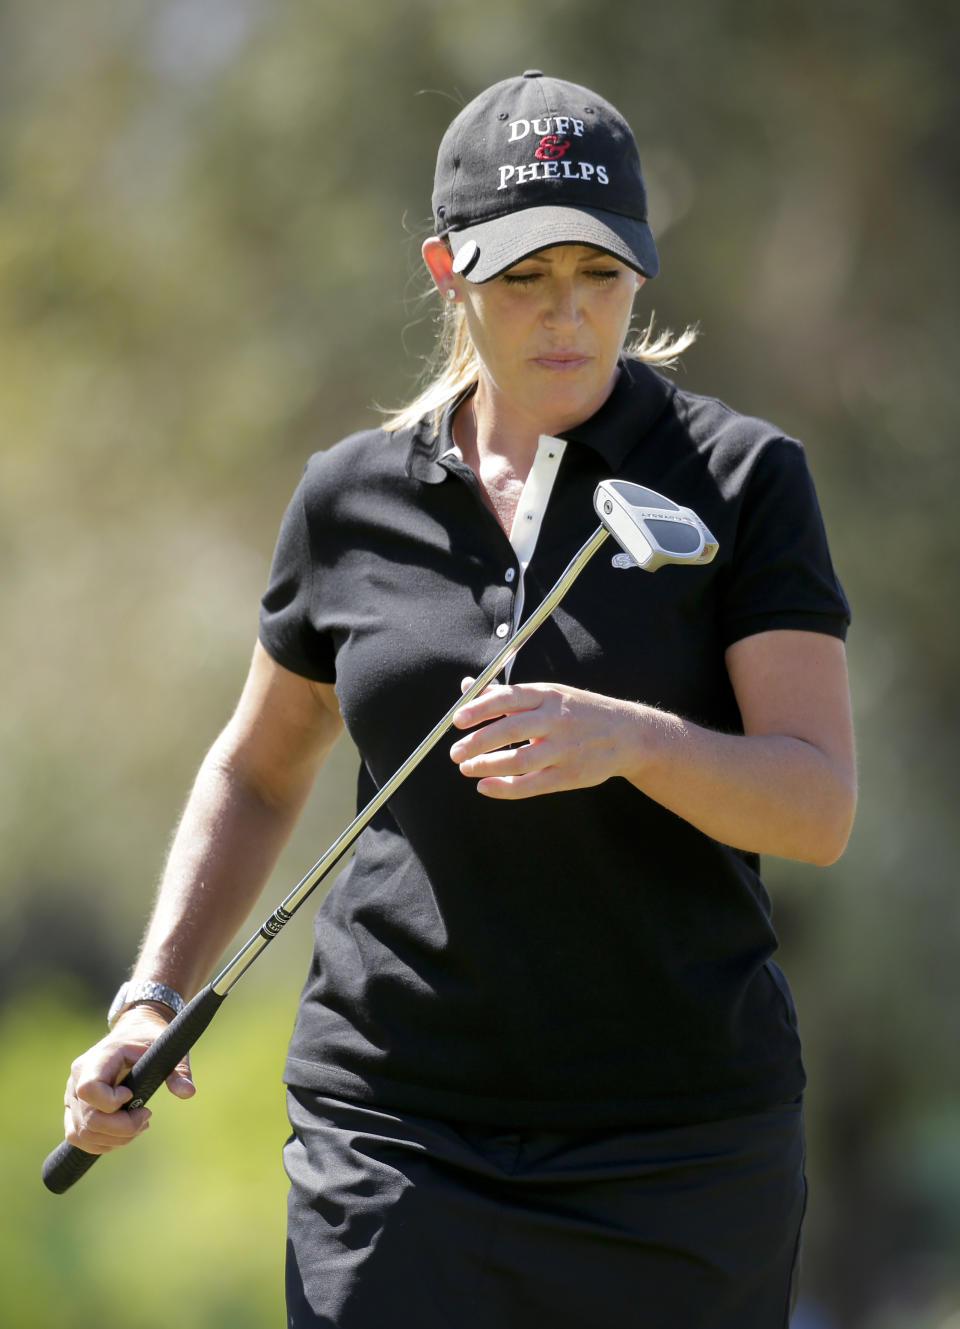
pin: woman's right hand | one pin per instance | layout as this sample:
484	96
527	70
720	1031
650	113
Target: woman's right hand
93	1119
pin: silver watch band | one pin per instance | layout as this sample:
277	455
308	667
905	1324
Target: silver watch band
146	989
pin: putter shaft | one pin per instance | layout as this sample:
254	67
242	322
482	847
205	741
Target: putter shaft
629	512
66	1164
241	962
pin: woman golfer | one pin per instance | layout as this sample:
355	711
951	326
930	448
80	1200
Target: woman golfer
544	1070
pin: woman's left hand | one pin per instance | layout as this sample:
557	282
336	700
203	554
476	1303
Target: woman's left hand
570	739
786	785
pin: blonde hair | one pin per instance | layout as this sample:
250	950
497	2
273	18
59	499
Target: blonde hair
455	366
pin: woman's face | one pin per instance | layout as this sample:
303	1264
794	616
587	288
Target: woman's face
548	332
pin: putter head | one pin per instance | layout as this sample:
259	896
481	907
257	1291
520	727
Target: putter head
652	529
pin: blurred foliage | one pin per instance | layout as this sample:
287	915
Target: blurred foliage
187	1226
210	213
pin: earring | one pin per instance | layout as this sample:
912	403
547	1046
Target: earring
450	293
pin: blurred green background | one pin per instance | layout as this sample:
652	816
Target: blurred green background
210	214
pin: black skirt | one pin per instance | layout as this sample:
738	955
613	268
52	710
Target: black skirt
398	1220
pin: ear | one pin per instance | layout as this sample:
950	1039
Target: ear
439	263
640	280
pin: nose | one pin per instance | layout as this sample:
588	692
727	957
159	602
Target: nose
564	308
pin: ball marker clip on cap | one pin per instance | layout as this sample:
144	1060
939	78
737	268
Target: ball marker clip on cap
533	162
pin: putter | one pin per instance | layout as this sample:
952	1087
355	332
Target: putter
653	531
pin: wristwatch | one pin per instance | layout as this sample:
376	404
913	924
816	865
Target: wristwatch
133	992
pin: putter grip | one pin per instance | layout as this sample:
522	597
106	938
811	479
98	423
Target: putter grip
67	1164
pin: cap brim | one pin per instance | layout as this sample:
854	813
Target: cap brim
487	249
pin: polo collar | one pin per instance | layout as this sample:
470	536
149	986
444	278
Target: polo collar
427	444
639	397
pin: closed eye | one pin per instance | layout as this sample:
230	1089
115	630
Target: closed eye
601	275
520	278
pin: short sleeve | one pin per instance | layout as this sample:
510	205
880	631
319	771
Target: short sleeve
781	574
287	631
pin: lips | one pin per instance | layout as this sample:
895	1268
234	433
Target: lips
562	360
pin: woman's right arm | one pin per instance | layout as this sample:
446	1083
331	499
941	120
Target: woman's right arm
250	789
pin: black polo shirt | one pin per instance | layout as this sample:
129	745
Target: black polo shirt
579	959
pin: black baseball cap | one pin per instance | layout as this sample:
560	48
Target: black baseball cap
537	161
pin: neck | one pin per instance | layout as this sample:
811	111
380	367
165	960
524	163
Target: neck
492	424
498	439
500	449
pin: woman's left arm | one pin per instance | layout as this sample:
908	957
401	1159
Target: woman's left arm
786	786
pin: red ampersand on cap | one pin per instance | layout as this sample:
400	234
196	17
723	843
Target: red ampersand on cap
551	147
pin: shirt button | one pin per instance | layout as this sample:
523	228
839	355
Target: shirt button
509	574
503	629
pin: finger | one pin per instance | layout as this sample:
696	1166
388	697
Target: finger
510	788
93	1143
506	758
468	680
491	703
498	700
98	1132
95	1082
522	728
180	1080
